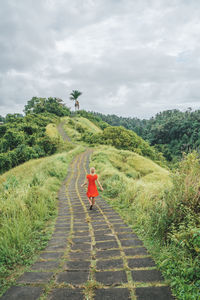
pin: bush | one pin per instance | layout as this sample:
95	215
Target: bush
80	128
2	130
13	138
121	138
48	145
5	162
24	153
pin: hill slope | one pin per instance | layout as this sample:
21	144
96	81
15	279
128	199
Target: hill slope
82	129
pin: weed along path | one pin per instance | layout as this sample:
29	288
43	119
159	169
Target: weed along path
91	255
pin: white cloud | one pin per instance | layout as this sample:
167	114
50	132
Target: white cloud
132	58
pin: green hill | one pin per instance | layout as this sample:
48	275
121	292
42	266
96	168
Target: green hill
82	129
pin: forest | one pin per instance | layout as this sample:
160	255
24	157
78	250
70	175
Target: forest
172	132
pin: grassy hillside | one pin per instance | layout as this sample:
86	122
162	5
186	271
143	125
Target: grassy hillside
53	133
133	179
77	126
28	195
163	208
82	129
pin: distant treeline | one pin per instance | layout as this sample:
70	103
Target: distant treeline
172	132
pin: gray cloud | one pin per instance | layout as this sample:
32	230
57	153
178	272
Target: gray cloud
132	58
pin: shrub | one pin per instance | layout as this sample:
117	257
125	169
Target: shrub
24	153
48	145
13	138
5	162
2	130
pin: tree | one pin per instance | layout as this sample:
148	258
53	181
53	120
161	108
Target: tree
43	105
74	97
2	119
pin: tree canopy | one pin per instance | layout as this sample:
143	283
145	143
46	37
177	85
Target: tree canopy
75	94
43	105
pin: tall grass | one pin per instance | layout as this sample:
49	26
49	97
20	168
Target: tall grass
87	124
52	132
28	197
75	126
163	208
70	128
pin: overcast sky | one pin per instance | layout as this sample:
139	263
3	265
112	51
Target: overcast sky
129	57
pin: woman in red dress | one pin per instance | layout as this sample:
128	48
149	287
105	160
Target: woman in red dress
92	191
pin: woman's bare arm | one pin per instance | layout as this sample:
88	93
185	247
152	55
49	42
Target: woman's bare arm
99	184
85	183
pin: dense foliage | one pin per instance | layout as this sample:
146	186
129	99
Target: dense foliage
172	132
24	137
2	119
121	138
50	105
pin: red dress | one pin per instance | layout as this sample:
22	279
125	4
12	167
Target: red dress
92	188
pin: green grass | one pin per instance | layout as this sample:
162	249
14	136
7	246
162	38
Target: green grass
162	209
52	132
77	125
129	176
28	197
87	124
70	128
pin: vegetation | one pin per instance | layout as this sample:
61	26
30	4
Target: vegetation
51	105
53	134
28	196
2	119
89	130
25	137
172	132
162	207
164	210
93	118
122	138
75	94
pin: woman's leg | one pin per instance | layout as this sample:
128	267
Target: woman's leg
93	200
90	198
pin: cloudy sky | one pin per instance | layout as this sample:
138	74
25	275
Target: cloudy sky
128	57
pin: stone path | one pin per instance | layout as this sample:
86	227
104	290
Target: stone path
91	255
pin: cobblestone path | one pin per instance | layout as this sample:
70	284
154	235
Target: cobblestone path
91	255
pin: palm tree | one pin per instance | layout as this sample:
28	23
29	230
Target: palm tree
74	97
